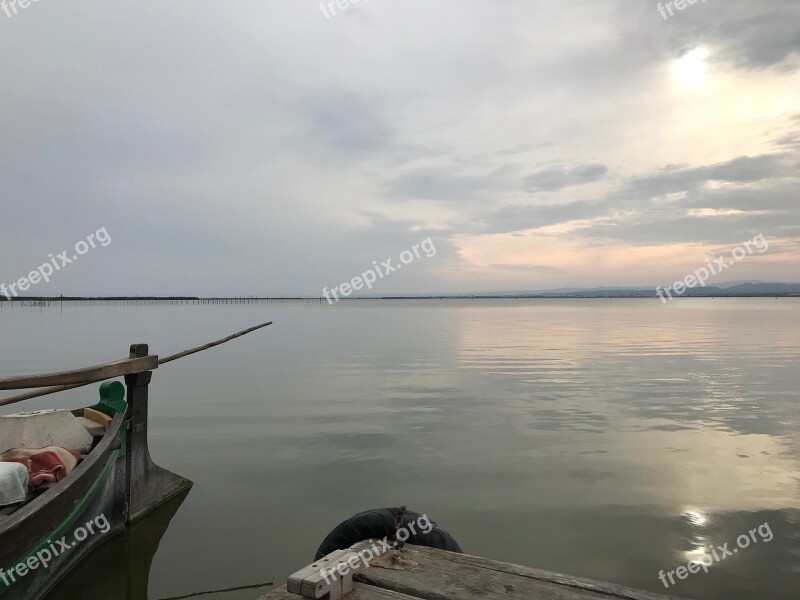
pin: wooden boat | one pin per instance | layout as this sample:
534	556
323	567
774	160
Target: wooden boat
114	484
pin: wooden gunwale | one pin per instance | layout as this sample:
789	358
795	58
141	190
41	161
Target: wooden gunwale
118	368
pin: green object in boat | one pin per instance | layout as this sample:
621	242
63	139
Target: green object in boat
112	399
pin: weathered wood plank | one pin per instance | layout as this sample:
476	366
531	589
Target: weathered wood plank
611	589
127	366
447	576
360	592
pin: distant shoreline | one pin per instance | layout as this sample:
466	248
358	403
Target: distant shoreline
243	299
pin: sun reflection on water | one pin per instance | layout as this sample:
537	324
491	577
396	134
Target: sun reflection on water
697	540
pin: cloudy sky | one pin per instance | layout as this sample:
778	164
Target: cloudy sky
260	147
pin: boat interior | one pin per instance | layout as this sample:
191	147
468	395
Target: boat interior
78	431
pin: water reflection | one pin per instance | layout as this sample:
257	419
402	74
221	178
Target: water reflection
696	539
120	568
605	439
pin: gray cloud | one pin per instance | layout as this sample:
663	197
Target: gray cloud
265	149
775	197
456	182
444	183
743	169
729	230
748	37
559	178
517	218
345	122
635	212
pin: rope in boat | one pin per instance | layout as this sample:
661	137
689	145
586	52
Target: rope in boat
161	361
235	589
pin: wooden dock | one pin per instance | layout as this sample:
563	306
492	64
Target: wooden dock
433	574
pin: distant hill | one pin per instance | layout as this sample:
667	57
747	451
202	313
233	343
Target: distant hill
741	289
729	290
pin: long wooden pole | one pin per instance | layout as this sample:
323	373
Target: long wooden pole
167	359
44	392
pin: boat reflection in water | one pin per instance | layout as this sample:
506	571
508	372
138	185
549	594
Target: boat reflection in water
120	568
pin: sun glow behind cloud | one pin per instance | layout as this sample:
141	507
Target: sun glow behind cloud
689	70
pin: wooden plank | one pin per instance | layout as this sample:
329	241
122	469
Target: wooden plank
127	366
360	592
447	576
96	416
610	589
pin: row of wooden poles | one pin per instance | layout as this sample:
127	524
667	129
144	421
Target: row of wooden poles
155	302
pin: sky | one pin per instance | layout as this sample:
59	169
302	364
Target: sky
280	147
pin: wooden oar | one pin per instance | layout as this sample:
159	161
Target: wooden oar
62	388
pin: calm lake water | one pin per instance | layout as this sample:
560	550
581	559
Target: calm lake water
608	439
